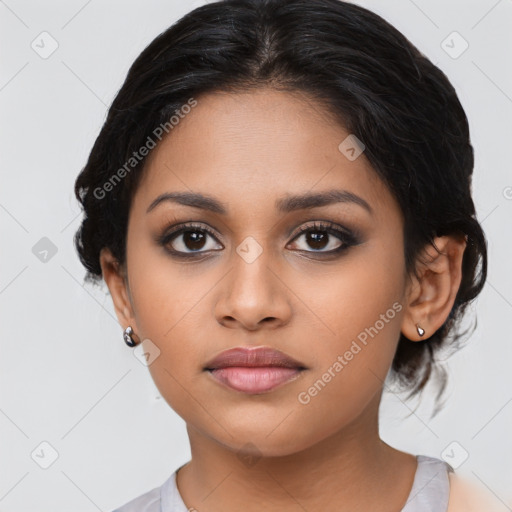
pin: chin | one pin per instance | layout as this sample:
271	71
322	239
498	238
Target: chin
258	441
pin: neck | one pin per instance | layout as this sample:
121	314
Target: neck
352	468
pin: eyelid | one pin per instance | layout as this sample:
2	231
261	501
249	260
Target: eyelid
181	227
327	225
316	224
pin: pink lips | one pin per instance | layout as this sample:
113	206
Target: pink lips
253	370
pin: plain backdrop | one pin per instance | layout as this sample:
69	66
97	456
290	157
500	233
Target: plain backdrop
72	395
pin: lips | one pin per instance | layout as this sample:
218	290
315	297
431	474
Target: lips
252	357
253	370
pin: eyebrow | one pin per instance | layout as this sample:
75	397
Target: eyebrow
284	205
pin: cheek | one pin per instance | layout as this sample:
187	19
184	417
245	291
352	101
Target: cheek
364	295
363	311
167	305
164	292
169	301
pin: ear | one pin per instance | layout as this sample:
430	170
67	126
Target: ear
115	277
431	293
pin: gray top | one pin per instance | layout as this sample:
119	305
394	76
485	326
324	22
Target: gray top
429	493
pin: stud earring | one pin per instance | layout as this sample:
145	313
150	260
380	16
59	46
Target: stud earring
128	336
421	331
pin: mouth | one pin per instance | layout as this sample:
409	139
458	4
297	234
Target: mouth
254	370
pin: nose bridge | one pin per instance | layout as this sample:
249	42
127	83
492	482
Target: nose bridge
252	292
251	273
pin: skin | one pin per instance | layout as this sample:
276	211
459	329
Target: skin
248	150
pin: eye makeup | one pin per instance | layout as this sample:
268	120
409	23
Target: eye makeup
194	236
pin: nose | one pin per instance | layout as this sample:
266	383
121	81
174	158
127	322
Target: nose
253	296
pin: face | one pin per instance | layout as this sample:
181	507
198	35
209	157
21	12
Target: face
262	263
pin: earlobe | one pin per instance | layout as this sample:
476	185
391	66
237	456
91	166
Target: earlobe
432	292
115	278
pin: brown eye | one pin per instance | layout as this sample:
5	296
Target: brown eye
194	240
189	240
324	238
319	241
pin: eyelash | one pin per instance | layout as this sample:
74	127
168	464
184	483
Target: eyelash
347	238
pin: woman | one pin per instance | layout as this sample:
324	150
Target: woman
279	202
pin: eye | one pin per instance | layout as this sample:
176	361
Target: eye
324	237
189	239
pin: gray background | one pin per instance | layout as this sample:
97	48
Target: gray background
66	376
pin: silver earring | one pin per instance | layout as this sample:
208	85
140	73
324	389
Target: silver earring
421	331
128	336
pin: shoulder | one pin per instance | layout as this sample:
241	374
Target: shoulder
468	496
147	502
164	497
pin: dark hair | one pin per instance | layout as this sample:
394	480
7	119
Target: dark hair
365	73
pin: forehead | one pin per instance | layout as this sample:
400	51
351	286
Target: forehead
250	149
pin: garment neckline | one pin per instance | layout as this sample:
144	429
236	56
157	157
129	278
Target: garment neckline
171	496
